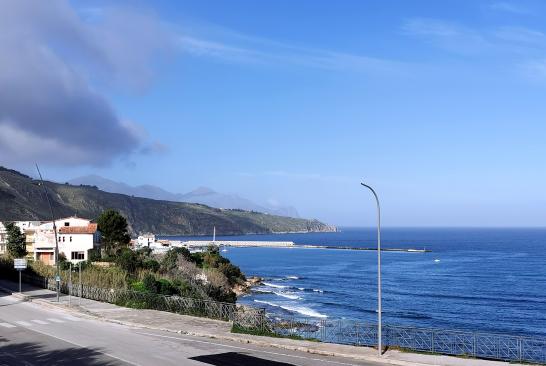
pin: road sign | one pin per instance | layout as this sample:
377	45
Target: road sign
20	264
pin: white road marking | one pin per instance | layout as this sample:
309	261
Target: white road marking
7	325
53	320
25	324
71	318
79	345
39	322
249	349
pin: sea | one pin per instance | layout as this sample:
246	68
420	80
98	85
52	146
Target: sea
473	279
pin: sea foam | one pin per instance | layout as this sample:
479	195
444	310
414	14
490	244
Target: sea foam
295	309
288	296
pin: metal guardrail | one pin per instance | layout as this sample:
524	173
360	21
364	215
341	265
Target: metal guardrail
438	341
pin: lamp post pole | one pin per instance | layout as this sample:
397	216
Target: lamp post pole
379	326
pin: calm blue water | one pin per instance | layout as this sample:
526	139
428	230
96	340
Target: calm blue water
491	280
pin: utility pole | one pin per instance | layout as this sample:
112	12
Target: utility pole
57	276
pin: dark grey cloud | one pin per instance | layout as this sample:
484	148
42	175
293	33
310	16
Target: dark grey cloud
52	61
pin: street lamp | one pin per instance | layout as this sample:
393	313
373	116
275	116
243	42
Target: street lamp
378	269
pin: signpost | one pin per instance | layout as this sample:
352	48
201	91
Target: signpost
20	264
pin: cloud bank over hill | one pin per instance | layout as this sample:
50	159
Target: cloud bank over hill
52	57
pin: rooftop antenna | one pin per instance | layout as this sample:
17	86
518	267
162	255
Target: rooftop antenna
57	277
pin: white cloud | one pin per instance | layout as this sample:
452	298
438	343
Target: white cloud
446	34
431	27
308	176
51	57
521	35
534	70
230	46
24	146
509	7
507	43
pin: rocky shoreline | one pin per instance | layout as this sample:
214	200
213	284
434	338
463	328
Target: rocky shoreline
244	288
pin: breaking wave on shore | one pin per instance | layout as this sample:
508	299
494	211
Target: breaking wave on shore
303	310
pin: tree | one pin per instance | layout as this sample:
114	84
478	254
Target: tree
64	264
170	260
113	229
16	241
128	260
150	283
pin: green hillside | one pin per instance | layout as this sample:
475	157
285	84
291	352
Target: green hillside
22	198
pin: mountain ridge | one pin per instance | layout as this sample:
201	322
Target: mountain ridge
203	195
22	198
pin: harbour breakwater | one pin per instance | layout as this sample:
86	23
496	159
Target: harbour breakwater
366	248
289	244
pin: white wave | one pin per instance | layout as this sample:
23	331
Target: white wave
295	309
304	311
288	296
293	277
318	290
301	288
267	303
262	291
274	285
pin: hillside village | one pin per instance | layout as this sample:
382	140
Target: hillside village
79	238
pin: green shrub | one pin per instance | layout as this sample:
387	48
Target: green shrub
64	265
170	259
184	289
151	264
93	255
128	260
150	284
165	287
138	286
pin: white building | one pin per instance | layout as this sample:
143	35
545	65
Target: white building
145	241
3	237
76	236
27	227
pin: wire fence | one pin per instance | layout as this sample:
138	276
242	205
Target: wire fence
437	341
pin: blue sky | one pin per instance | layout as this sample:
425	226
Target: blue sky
440	106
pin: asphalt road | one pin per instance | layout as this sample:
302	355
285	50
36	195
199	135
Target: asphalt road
31	334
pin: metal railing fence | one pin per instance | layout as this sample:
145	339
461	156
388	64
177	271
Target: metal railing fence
438	341
143	300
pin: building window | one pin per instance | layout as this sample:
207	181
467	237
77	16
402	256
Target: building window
63	239
77	255
66	223
71	239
